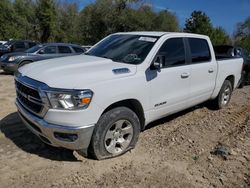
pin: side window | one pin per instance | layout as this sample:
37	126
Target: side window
48	50
31	44
64	50
172	52
200	51
78	50
19	45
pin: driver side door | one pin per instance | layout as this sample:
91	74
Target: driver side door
170	85
48	52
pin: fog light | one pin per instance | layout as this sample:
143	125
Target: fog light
67	137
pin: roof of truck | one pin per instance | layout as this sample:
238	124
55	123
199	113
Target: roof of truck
147	33
158	33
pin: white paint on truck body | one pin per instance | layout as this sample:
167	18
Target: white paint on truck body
159	92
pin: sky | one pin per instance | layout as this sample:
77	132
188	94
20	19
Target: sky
225	13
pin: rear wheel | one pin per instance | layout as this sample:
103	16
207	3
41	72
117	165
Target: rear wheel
116	132
224	96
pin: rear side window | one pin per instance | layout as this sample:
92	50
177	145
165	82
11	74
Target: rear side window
19	45
173	52
78	50
200	51
49	50
31	44
64	50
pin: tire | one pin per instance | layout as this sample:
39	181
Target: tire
116	132
24	63
243	79
224	96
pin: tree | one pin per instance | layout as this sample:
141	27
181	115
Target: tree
7	20
242	35
67	23
25	19
220	37
166	21
198	23
109	16
46	15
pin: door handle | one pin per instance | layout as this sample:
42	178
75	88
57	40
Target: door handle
211	70
185	75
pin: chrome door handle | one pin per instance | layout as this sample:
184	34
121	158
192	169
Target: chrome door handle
185	75
210	70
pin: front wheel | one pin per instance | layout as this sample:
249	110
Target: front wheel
116	132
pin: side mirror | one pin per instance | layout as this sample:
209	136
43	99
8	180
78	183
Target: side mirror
158	62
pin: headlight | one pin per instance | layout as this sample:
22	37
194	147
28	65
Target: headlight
3	57
13	58
70	100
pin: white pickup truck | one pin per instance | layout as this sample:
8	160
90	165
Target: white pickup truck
99	102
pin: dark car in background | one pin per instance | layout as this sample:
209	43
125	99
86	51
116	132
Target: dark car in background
12	61
225	51
16	46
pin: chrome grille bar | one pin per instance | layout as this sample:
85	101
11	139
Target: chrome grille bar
31	96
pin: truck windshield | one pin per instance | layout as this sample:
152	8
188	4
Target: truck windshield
131	49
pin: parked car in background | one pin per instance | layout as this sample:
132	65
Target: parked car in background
16	46
225	51
2	42
99	102
12	61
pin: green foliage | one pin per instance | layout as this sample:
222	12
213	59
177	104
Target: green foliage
62	21
166	21
200	23
67	23
7	20
25	20
46	16
110	16
242	36
220	37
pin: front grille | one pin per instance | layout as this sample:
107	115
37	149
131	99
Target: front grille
29	98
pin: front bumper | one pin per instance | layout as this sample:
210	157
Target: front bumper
74	138
9	67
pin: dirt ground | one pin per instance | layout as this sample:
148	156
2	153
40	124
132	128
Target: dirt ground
172	152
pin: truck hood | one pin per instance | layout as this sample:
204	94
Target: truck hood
76	72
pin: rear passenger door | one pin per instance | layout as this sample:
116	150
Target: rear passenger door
203	70
64	51
170	85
